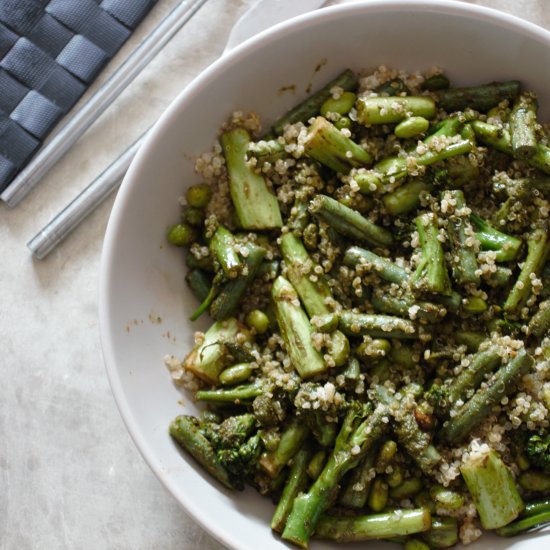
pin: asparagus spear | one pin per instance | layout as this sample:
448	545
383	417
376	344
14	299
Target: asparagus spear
356	491
256	206
186	431
349	222
464	263
492	488
388	110
386	269
506	246
415	441
406	198
222	246
360	430
199	283
535	514
396	523
406	306
292	440
296	330
538	248
499	138
377	326
540	322
480	98
502	383
311	106
479	366
431	274
313	294
227	301
295	484
523	121
327	145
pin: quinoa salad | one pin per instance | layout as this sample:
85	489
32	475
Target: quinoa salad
375	268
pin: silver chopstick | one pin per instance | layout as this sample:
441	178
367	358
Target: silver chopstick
76	123
83	205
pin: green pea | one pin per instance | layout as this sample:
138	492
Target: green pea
412	126
181	234
378	495
236	374
342	105
474	304
193	216
258	320
385	455
408	489
446	498
199	195
395	478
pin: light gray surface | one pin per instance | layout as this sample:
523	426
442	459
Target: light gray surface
70	476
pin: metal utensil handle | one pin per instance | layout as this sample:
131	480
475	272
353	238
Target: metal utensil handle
82	205
78	122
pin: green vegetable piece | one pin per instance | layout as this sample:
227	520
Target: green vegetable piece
199	195
235	395
258	320
502	383
523	124
181	234
256	206
535	514
483	473
446	498
199	283
506	246
295	483
377	326
464	262
360	431
378	495
208	359
436	82
538	249
223	248
479	98
397	523
296	330
406	198
292	439
537	482
537	449
340	105
329	146
316	464
349	222
443	533
411	127
311	106
431	274
236	374
186	431
387	110
408	489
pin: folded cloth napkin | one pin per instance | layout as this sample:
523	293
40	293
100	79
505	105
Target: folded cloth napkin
50	52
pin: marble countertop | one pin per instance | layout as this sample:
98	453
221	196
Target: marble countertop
70	476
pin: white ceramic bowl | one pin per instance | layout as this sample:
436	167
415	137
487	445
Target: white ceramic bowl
142	278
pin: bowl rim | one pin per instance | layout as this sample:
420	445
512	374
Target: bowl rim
449	7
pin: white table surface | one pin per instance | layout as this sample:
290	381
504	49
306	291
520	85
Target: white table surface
70	476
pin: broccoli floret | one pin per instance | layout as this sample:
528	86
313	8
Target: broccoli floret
238	447
321	406
537	449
